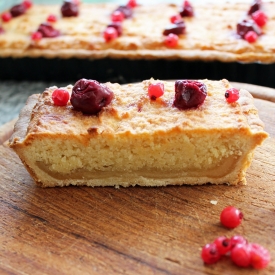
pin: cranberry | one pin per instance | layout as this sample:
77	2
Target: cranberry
171	40
175	18
260	18
251	37
117	16
231	217
69	8
232	95
259	256
187	10
255	6
27	3
18	10
47	30
6	16
60	97
223	245
132	3
237	239
245	26
240	255
110	34
176	28
117	26
89	96
156	90
210	253
36	36
51	18
127	11
189	93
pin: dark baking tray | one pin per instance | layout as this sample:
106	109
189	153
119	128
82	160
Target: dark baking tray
125	70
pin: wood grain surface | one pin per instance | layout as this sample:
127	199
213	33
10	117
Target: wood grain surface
135	230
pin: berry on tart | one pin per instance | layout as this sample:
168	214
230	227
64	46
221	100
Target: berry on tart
27	3
260	18
110	34
51	18
60	97
132	3
171	40
257	4
48	31
176	28
126	10
117	26
187	10
6	16
251	37
155	90
232	95
36	36
69	8
117	16
247	25
18	10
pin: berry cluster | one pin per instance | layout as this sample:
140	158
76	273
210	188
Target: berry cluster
177	26
250	28
16	10
241	252
114	29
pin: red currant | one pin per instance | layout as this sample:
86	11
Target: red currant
240	255
237	239
36	36
51	18
60	97
175	18
110	34
251	37
117	16
156	90
260	18
6	16
210	253
223	245
232	95
132	3
27	3
259	256
171	40
231	217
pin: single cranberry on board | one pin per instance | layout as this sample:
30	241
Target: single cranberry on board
69	8
189	94
231	217
210	254
90	96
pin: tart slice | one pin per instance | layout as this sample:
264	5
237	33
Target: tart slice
136	138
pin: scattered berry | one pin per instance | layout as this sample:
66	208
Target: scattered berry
231	217
237	239
245	26
175	18
232	95
126	10
132	3
117	26
171	40
60	97
27	4
259	256
240	255
260	18
156	90
110	34
223	245
47	30
69	8
36	36
189	93
52	18
89	96
117	16
251	37
210	254
255	6
6	16
18	10
176	28
187	10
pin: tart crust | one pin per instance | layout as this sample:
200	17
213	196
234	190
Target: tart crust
139	141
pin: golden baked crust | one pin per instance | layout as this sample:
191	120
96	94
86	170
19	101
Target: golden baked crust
210	34
135	140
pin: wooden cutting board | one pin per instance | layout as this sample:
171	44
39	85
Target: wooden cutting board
82	230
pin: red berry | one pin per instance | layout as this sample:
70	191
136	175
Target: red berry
47	30
244	26
132	3
176	28
251	37
18	10
69	8
27	3
171	40
256	5
260	18
237	239
240	255
232	95
6	16
210	253
60	97
117	26
231	217
36	36
51	18
259	256
117	16
156	90
175	18
187	10
223	245
110	34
